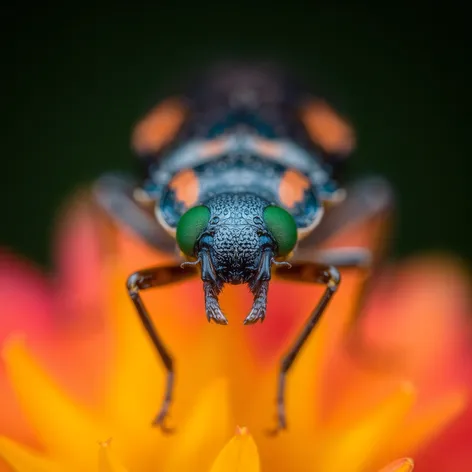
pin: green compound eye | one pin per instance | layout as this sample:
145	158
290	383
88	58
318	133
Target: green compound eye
190	227
282	227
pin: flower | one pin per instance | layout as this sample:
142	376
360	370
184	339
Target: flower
84	383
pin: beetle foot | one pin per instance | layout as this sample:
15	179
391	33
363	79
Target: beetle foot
258	311
259	306
214	312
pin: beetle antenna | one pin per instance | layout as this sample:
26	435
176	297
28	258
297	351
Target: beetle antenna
190	263
281	264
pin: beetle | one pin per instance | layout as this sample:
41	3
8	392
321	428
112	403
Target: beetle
242	185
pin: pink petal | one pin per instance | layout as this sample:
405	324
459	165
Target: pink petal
27	308
26	298
80	250
422	311
451	450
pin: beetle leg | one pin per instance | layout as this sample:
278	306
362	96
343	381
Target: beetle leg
116	195
313	273
368	200
343	257
371	201
142	280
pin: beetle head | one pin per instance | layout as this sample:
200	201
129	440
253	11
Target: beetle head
236	238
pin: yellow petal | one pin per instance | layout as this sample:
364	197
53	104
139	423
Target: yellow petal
239	455
24	460
400	465
352	449
107	461
202	433
67	432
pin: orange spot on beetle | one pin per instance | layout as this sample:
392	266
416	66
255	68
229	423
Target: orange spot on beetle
214	147
159	126
186	187
292	188
268	148
327	128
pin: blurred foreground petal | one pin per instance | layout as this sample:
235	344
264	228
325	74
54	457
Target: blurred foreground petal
22	460
239	455
107	461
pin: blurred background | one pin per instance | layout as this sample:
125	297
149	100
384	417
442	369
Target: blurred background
77	79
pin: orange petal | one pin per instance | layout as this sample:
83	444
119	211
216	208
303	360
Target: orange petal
427	424
66	431
400	465
239	455
24	460
352	447
421	311
80	250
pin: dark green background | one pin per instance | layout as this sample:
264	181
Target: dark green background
76	80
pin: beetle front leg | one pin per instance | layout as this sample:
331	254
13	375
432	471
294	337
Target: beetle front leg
314	273
142	280
370	201
116	195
